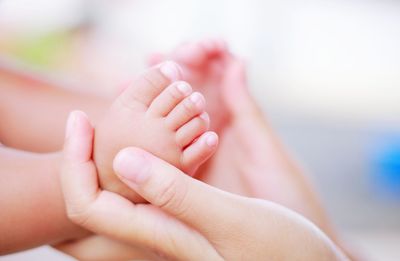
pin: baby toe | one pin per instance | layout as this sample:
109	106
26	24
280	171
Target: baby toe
186	110
193	129
169	98
199	151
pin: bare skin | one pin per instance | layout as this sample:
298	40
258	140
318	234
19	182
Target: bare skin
259	166
33	111
29	207
142	115
173	124
158	113
203	65
187	219
244	170
232	177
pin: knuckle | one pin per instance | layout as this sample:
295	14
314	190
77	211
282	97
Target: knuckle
167	194
172	242
78	214
164	234
173	196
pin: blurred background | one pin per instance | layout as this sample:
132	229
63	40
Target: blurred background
326	72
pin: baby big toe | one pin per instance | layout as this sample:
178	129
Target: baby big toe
150	84
193	129
186	110
169	98
199	151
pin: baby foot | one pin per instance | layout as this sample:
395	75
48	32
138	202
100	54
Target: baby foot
160	114
203	66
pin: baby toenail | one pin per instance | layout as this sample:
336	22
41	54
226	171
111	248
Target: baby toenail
184	88
170	70
205	116
212	140
195	97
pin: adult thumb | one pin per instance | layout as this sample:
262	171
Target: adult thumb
165	186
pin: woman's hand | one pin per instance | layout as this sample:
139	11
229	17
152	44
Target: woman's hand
144	227
187	219
100	248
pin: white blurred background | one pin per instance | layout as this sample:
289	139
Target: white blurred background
326	72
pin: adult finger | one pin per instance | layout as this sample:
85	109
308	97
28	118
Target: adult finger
205	208
78	173
111	215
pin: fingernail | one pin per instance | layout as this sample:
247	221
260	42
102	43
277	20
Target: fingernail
132	166
212	140
71	122
171	70
184	88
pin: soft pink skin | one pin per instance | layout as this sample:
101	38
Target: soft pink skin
250	160
203	66
16	97
32	206
154	114
187	219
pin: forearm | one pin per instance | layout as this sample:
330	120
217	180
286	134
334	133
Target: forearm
32	207
33	113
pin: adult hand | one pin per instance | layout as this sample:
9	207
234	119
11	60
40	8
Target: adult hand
188	219
251	160
101	248
144	227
